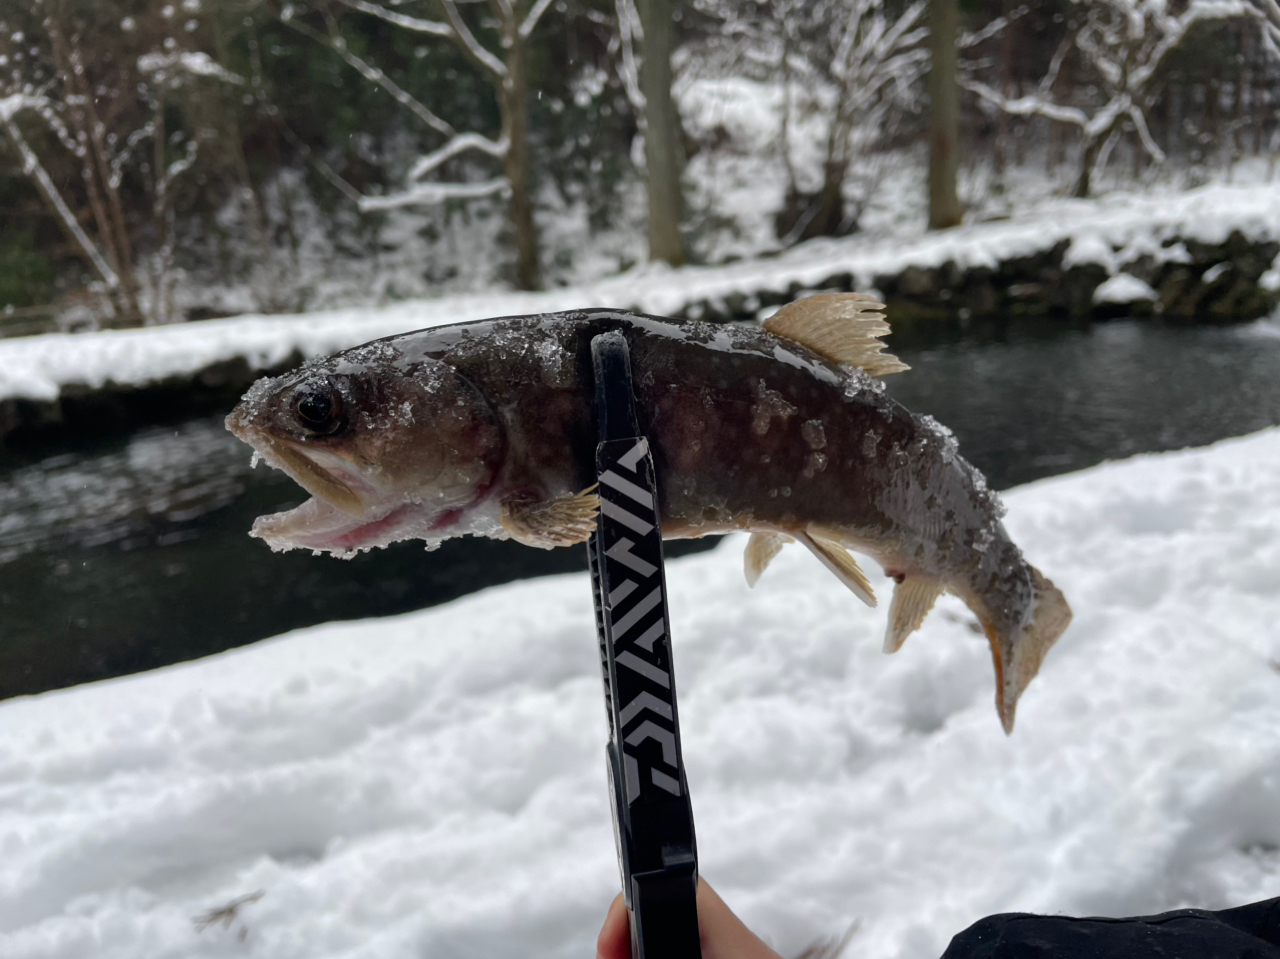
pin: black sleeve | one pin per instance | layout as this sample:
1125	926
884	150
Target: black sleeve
1246	932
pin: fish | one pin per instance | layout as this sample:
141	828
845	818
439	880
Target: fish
781	429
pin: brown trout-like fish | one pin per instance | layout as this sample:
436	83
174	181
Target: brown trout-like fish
781	429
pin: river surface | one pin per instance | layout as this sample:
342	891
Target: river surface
132	553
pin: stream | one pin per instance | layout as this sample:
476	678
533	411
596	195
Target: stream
132	553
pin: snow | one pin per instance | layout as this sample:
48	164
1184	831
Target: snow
11	105
434	785
1105	231
1127	288
188	61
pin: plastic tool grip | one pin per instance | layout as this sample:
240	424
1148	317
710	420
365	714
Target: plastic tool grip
652	815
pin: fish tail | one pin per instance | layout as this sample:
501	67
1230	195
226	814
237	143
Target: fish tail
1019	651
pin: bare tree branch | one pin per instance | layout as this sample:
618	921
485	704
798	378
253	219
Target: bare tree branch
531	21
416	24
32	167
470	45
370	72
630	30
1027	106
1144	134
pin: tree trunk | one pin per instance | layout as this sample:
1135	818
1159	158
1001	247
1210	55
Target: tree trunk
944	115
825	215
515	124
663	140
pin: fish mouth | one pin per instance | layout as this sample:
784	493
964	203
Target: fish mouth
342	516
319	526
323	474
346	513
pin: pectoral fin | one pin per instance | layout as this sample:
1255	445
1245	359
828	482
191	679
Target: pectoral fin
836	558
843	327
761	549
912	600
547	524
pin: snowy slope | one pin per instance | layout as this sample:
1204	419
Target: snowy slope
433	785
39	367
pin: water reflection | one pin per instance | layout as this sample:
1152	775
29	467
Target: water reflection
1041	401
146	494
134	553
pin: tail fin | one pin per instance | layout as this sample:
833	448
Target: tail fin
1018	656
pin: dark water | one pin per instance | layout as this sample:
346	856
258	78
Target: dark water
132	553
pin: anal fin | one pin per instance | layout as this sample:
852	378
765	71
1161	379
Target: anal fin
836	558
546	524
761	549
912	600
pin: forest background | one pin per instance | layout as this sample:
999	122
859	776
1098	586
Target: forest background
166	161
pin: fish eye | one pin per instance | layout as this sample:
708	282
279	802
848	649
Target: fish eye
318	410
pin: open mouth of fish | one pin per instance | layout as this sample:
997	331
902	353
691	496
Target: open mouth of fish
345	514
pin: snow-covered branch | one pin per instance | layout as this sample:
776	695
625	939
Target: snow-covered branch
470	45
168	65
430	194
1125	43
32	167
531	21
458	145
1027	106
969	39
1267	13
416	24
629	31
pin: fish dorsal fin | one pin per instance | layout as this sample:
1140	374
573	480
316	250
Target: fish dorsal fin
761	549
836	558
843	327
912	600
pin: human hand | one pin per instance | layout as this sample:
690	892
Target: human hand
723	934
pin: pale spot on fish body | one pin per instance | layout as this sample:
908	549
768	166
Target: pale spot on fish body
815	464
814	434
769	404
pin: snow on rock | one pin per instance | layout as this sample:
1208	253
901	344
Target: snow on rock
39	367
1124	288
433	784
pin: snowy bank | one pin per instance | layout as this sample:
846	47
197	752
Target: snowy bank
434	784
1205	250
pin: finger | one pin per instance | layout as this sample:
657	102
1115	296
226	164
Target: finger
615	934
723	934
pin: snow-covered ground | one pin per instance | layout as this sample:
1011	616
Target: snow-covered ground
1109	231
433	785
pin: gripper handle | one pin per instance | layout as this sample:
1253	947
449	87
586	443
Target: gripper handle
652	815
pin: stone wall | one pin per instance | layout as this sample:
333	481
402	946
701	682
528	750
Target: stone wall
1190	281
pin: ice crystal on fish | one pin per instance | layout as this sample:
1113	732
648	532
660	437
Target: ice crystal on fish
948	439
858	383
